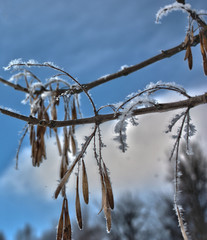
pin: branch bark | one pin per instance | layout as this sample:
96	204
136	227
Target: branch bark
101	118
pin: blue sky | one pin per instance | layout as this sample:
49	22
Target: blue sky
89	39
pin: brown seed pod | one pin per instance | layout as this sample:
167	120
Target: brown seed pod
74	112
60	223
203	46
105	205
85	183
73	143
67	234
190	59
108	188
77	205
189	56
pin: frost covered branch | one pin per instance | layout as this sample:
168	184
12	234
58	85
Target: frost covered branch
123	72
100	118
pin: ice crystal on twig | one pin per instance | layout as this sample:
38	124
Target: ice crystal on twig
174	121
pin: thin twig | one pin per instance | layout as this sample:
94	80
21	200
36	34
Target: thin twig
20	144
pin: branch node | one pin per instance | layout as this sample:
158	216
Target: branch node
52	124
43	123
31	119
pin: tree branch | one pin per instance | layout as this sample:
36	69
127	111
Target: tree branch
164	107
15	86
128	70
123	72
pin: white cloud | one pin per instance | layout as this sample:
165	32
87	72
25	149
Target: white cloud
33	180
143	166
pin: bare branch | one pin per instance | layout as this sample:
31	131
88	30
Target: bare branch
164	107
128	70
123	72
15	86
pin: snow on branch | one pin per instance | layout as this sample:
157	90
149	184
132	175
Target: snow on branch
171	7
16	64
142	99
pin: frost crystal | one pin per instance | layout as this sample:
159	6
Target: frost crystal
121	128
34	86
51	64
13	64
123	67
10	109
56	79
174	121
32	62
104	76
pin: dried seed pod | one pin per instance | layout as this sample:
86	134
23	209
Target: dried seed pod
34	153
108	187
191	35
204	38
32	134
77	205
189	56
67	234
108	219
105	205
85	183
186	41
190	59
66	139
58	142
60	223
205	66
203	45
73	143
74	112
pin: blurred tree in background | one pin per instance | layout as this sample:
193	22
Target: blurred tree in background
2	236
193	186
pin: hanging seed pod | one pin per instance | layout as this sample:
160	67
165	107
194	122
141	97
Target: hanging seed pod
54	117
34	153
73	143
66	139
85	183
192	35
32	134
58	142
190	59
108	187
60	223
74	112
77	205
188	53
67	234
105	206
203	46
